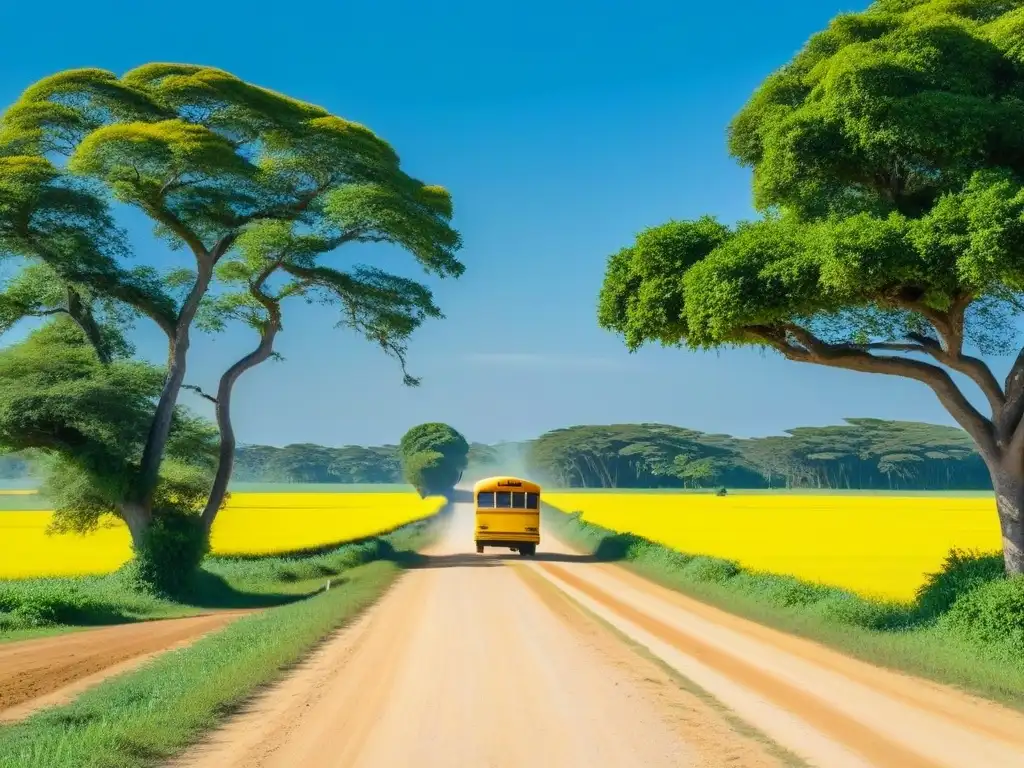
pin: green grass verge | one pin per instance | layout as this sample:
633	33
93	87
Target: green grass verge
966	629
145	717
47	605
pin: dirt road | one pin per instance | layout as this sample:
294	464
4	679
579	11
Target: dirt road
493	661
52	670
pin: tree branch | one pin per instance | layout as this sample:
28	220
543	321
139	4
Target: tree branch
1011	420
886	346
949	326
809	348
199	391
223	245
288	211
177	226
82	314
226	453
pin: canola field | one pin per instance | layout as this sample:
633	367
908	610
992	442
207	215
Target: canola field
878	546
251	524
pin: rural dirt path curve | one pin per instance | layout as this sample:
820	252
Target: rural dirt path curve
490	661
52	670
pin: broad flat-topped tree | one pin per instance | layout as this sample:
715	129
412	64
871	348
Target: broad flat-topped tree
214	162
888	161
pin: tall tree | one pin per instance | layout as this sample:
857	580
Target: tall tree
434	456
888	160
213	162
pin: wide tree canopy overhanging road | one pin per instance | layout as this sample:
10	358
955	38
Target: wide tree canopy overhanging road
888	161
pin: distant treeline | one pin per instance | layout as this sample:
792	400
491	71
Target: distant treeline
309	463
861	454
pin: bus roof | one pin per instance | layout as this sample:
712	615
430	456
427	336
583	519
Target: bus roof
503	482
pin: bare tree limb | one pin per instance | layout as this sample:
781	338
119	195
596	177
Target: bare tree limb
949	327
199	391
809	348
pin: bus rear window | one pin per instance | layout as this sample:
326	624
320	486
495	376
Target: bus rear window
485	499
504	499
532	500
518	500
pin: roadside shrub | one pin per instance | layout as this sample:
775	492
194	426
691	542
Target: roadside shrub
658	556
710	569
784	591
992	612
850	609
168	559
961	572
84	600
300	567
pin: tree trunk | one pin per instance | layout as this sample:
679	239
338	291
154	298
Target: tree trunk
137	518
160	427
177	359
226	451
1008	483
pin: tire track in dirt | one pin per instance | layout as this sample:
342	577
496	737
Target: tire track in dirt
52	670
873	716
702	726
961	708
469	661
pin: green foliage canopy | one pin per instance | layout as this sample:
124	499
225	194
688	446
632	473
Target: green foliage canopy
259	190
636	455
91	419
306	463
861	454
434	456
888	161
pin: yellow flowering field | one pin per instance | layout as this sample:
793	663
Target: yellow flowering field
251	524
881	546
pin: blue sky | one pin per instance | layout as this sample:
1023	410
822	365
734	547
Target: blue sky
561	129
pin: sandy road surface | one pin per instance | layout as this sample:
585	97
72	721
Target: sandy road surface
489	661
52	670
477	661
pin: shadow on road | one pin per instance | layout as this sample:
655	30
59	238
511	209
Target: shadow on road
490	560
212	591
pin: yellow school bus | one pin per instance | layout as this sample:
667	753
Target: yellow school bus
507	514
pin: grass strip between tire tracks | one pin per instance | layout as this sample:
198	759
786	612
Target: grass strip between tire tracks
147	716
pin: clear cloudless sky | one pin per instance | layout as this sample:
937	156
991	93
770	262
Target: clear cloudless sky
561	128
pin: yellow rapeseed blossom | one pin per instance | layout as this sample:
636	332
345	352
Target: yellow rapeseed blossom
876	545
251	524
268	523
